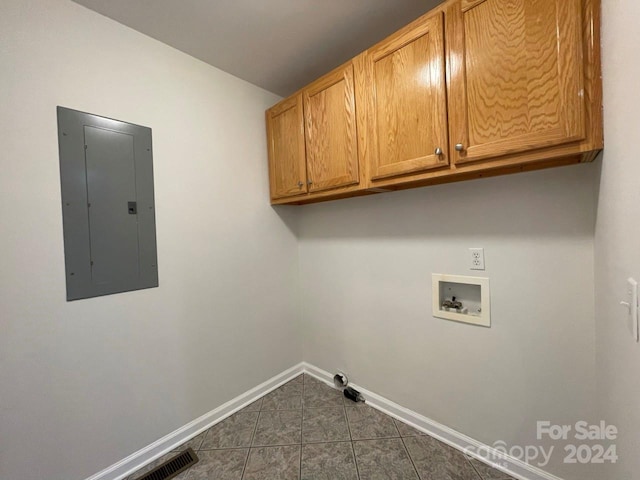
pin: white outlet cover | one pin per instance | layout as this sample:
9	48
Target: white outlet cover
476	257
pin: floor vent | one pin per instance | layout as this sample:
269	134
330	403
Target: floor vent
172	467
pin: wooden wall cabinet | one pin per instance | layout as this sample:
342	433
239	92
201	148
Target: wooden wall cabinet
323	153
473	88
285	134
519	82
330	131
405	80
408	109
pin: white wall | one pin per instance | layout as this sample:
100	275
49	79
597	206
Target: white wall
365	267
617	243
86	383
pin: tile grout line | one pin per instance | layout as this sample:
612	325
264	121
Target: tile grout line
326	442
370	439
204	435
246	460
404	445
253	435
353	449
284	445
224	449
474	468
409	455
301	426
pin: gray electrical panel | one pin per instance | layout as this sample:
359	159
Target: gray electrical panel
106	172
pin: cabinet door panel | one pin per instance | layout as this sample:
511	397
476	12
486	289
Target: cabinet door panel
330	115
285	133
409	111
516	73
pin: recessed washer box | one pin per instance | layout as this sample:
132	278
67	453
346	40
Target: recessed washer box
462	299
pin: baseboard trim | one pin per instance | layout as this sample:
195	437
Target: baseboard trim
142	457
507	464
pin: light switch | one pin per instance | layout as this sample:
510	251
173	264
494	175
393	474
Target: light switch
631	304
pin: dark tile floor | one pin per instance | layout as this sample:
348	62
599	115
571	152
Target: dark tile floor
306	430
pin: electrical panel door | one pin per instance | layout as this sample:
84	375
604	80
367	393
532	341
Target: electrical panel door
106	169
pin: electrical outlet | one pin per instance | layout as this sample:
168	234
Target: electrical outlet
477	258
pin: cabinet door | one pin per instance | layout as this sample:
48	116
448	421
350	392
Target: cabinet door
330	116
408	106
516	73
285	134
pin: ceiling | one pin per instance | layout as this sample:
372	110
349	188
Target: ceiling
279	45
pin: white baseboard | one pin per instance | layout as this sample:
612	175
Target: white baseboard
510	465
139	459
507	464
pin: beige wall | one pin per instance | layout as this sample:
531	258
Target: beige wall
366	265
84	384
617	245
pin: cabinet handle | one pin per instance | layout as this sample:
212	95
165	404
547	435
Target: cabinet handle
438	151
300	184
309	182
460	147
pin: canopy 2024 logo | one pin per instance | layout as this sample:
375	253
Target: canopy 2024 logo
592	445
